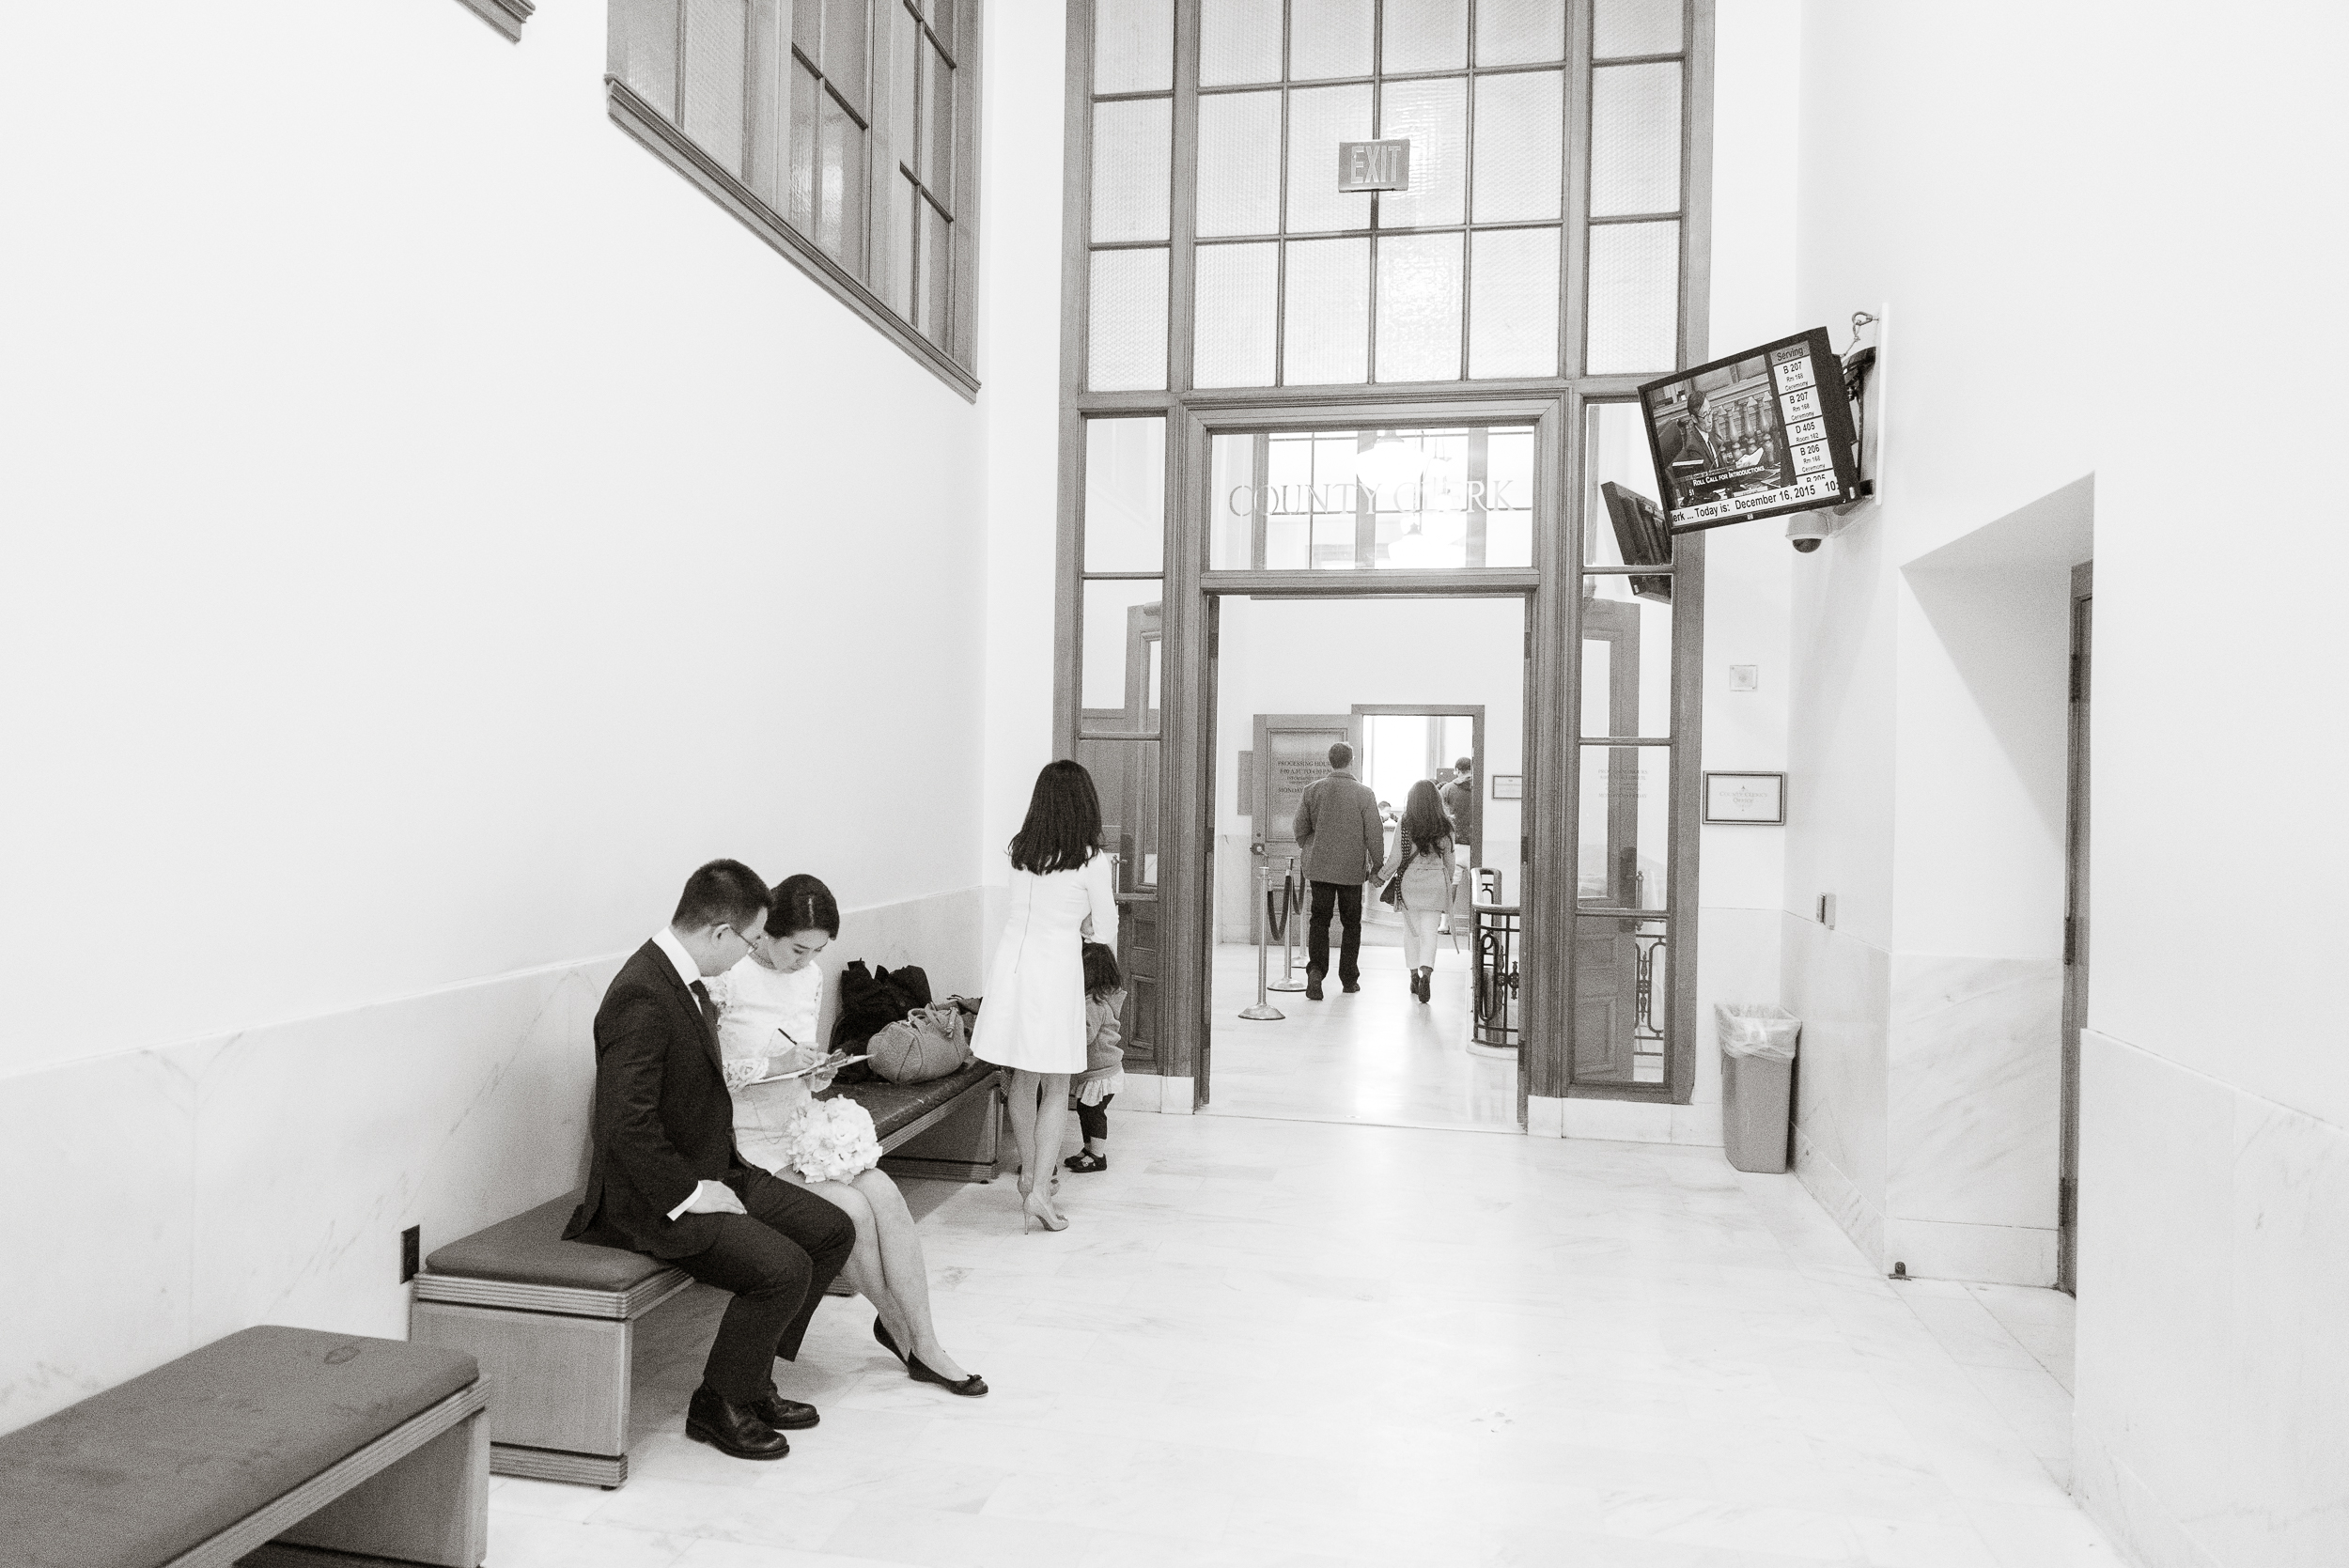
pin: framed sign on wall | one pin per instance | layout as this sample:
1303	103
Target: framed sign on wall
1508	787
1747	799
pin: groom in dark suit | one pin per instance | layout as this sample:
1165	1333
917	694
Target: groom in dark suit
665	1179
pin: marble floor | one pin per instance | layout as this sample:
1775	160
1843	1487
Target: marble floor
1374	1056
1315	1345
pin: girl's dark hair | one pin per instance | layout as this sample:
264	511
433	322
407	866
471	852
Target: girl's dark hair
1425	822
1063	826
1102	975
802	903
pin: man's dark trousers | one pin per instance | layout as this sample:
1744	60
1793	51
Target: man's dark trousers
1348	898
777	1282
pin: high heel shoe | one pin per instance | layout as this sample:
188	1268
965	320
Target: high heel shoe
888	1341
973	1387
1039	1210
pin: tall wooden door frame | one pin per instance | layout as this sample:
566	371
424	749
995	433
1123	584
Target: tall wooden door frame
2076	913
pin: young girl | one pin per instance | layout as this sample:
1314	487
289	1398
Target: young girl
1105	1073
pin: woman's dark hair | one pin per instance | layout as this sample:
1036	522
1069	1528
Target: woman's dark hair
802	903
1063	826
1102	975
1425	825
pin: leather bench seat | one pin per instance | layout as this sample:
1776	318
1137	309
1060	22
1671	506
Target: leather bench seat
137	1474
529	1250
893	1105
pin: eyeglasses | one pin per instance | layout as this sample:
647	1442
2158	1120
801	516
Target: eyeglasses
748	938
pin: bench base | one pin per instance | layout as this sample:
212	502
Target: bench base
580	1469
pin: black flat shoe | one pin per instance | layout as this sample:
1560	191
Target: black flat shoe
734	1428
1084	1162
888	1341
785	1415
973	1387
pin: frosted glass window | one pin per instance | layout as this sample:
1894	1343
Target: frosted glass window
843	49
1126	341
1133	46
1121	677
1635	298
646	45
1521	137
1620	27
1329	38
1520	32
937	123
1434	115
1231	502
1133	140
1419	308
1319	120
714	36
840	184
1509	498
1238	299
1326	323
1513	302
1423	35
806	89
1627	823
1240	164
1635	139
1125	494
938	272
1239	41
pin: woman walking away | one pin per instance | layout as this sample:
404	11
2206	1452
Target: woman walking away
1063	891
1105	1058
1426	880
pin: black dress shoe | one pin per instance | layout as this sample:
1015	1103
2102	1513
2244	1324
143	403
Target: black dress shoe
973	1387
733	1429
1313	986
1350	987
785	1415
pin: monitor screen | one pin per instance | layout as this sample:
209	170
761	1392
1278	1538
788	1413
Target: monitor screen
1757	435
1642	538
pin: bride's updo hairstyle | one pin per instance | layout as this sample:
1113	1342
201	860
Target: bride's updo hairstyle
1063	826
802	903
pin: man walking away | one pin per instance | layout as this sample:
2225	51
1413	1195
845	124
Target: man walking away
1343	843
1459	803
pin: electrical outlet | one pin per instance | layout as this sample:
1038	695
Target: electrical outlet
411	1252
1745	677
1826	911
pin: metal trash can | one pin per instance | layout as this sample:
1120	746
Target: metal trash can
1757	1083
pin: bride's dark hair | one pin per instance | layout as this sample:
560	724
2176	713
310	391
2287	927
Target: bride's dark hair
802	903
1063	826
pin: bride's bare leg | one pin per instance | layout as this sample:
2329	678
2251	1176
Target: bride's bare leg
866	1271
907	1272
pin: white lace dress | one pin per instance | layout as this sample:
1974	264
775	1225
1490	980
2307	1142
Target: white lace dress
767	1025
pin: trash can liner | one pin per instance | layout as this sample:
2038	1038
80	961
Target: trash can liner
1757	1030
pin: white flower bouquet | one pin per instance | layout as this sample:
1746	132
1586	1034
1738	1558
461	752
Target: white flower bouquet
831	1141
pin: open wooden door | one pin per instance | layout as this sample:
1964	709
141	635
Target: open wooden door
1292	750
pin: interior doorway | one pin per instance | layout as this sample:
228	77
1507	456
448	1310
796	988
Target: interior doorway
1410	686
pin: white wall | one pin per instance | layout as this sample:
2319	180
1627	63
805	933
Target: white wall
434	528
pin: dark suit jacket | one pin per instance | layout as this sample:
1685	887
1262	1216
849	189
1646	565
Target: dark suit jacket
663	1121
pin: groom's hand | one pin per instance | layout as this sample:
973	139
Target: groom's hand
715	1197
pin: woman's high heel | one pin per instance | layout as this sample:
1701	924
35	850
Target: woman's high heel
973	1387
1041	1210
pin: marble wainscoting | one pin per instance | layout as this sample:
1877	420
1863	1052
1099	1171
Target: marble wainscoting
1973	1117
169	1196
2212	1418
1840	987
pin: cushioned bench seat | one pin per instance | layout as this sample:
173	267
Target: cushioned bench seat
359	1444
553	1322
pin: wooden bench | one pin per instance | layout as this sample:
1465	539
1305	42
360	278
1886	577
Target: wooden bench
254	1448
552	1323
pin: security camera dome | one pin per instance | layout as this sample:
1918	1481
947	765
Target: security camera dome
1807	546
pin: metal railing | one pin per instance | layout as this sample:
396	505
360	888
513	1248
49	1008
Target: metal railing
1498	931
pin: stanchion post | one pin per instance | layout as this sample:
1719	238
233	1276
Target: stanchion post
1263	1011
1289	902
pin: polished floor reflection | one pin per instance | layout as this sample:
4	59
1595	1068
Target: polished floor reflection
1316	1345
1374	1056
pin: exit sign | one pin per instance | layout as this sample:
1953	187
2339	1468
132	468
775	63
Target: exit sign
1375	165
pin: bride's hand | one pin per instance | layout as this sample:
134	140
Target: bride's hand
742	1071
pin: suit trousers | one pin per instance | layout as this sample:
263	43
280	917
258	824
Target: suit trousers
1347	899
776	1259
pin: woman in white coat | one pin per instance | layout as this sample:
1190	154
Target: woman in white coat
1064	890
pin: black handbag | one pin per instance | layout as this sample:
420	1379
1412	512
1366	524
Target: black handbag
870	1002
1392	894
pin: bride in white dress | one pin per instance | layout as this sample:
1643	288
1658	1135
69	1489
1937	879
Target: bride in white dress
767	1006
1064	890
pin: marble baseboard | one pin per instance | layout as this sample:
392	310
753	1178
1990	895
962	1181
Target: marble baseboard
181	1192
1841	1198
1637	1121
1545	1116
1982	1254
1974	1094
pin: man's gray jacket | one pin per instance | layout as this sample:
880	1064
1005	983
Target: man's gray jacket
1339	830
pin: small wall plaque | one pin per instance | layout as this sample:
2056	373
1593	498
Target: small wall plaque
1375	165
1508	787
1746	799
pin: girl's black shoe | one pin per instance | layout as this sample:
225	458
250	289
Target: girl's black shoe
1086	1161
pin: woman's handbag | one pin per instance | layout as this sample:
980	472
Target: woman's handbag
1392	894
927	1042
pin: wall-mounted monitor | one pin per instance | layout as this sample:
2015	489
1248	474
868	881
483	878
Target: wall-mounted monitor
1642	538
1760	434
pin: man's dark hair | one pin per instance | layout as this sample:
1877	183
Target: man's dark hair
802	903
1102	975
1464	764
1064	823
724	893
1340	755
